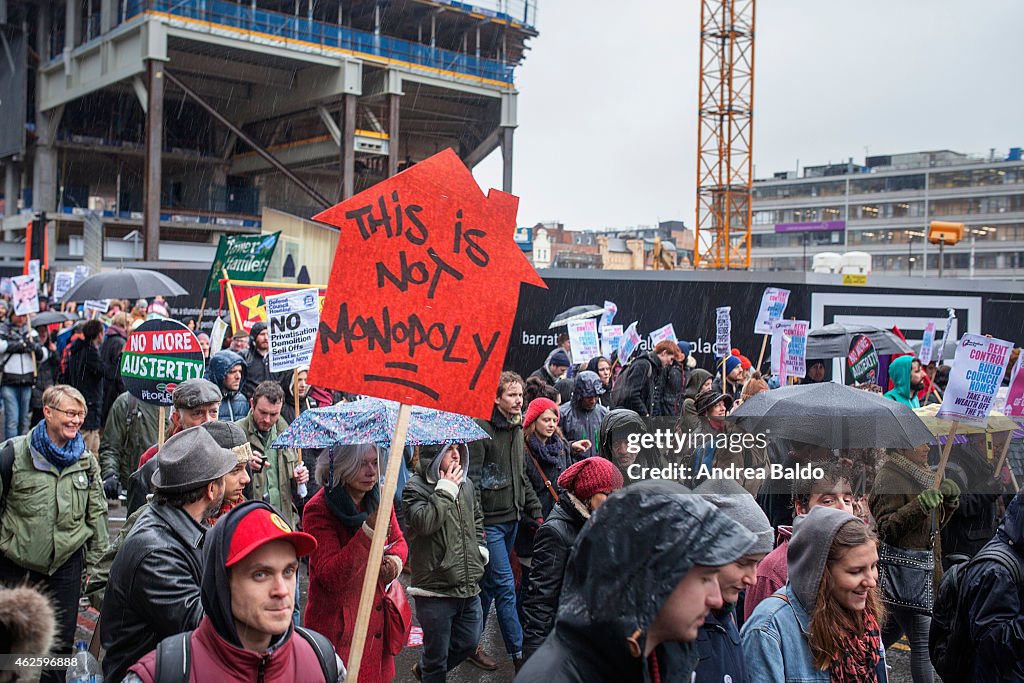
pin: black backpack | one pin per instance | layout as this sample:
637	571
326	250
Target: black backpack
619	396
174	656
949	640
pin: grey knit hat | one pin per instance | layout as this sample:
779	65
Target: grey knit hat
193	393
735	502
190	458
809	547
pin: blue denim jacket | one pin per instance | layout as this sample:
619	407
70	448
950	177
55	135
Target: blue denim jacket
773	623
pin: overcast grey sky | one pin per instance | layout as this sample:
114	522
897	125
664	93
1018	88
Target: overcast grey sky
608	96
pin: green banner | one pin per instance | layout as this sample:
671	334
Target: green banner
245	257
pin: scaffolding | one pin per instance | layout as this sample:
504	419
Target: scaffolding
725	135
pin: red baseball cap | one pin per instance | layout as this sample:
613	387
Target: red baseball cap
262	526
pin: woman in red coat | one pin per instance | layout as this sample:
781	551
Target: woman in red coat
341	517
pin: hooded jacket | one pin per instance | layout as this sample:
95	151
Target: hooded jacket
775	644
85	373
551	546
672	390
622	422
995	606
131	428
17	346
632	553
497	466
975	521
694	381
217	651
234	406
445	529
606	397
114	340
577	423
899	372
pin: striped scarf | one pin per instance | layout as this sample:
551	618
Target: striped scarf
922	475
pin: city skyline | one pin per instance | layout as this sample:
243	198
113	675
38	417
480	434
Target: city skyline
602	114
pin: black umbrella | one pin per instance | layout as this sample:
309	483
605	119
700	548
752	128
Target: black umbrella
51	318
833	341
576	313
127	283
832	416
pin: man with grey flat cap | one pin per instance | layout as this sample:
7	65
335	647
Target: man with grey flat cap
196	402
154	585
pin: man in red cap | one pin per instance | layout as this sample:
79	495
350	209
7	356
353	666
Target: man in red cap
248	592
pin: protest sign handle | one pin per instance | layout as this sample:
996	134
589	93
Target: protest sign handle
35	364
1002	456
380	532
945	455
199	318
295	393
760	357
160	433
231	303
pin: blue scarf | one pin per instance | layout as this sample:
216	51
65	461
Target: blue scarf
58	457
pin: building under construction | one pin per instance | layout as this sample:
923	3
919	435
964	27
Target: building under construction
144	129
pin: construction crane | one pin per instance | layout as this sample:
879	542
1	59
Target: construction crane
724	135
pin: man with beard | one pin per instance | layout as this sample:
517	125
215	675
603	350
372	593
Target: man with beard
907	379
154	586
258	369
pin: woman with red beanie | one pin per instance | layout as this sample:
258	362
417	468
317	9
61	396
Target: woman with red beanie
583	487
548	454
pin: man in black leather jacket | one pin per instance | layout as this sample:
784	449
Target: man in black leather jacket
154	586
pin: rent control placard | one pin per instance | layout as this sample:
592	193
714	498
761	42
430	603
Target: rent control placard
976	376
294	320
773	305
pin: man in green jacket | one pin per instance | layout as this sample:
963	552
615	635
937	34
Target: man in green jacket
53	526
276	472
907	379
497	467
132	427
446	539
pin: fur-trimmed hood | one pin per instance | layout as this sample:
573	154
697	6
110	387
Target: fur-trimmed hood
27	623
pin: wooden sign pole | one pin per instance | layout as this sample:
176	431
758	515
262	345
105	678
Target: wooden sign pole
760	356
295	393
1002	455
161	433
940	471
380	533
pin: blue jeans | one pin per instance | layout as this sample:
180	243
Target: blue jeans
17	415
499	585
451	632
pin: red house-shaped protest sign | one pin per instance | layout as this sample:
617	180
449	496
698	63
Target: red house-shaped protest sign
423	290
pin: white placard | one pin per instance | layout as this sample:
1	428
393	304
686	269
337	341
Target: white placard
723	331
583	342
220	328
773	305
26	294
927	343
667	332
62	281
293	320
795	355
610	335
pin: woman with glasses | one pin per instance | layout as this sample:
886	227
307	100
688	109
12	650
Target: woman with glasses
54	525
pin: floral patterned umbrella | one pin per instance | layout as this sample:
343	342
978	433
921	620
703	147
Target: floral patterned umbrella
372	420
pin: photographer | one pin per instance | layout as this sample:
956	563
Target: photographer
21	351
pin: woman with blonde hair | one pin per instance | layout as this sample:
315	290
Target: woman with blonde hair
342	516
824	624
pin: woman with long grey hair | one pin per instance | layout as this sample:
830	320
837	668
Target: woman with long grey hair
342	516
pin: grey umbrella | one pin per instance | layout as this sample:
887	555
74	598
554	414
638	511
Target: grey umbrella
52	318
833	341
127	283
832	416
576	313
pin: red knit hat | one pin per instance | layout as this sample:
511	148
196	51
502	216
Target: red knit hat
589	476
745	362
536	407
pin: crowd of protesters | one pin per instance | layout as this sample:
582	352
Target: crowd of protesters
592	573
